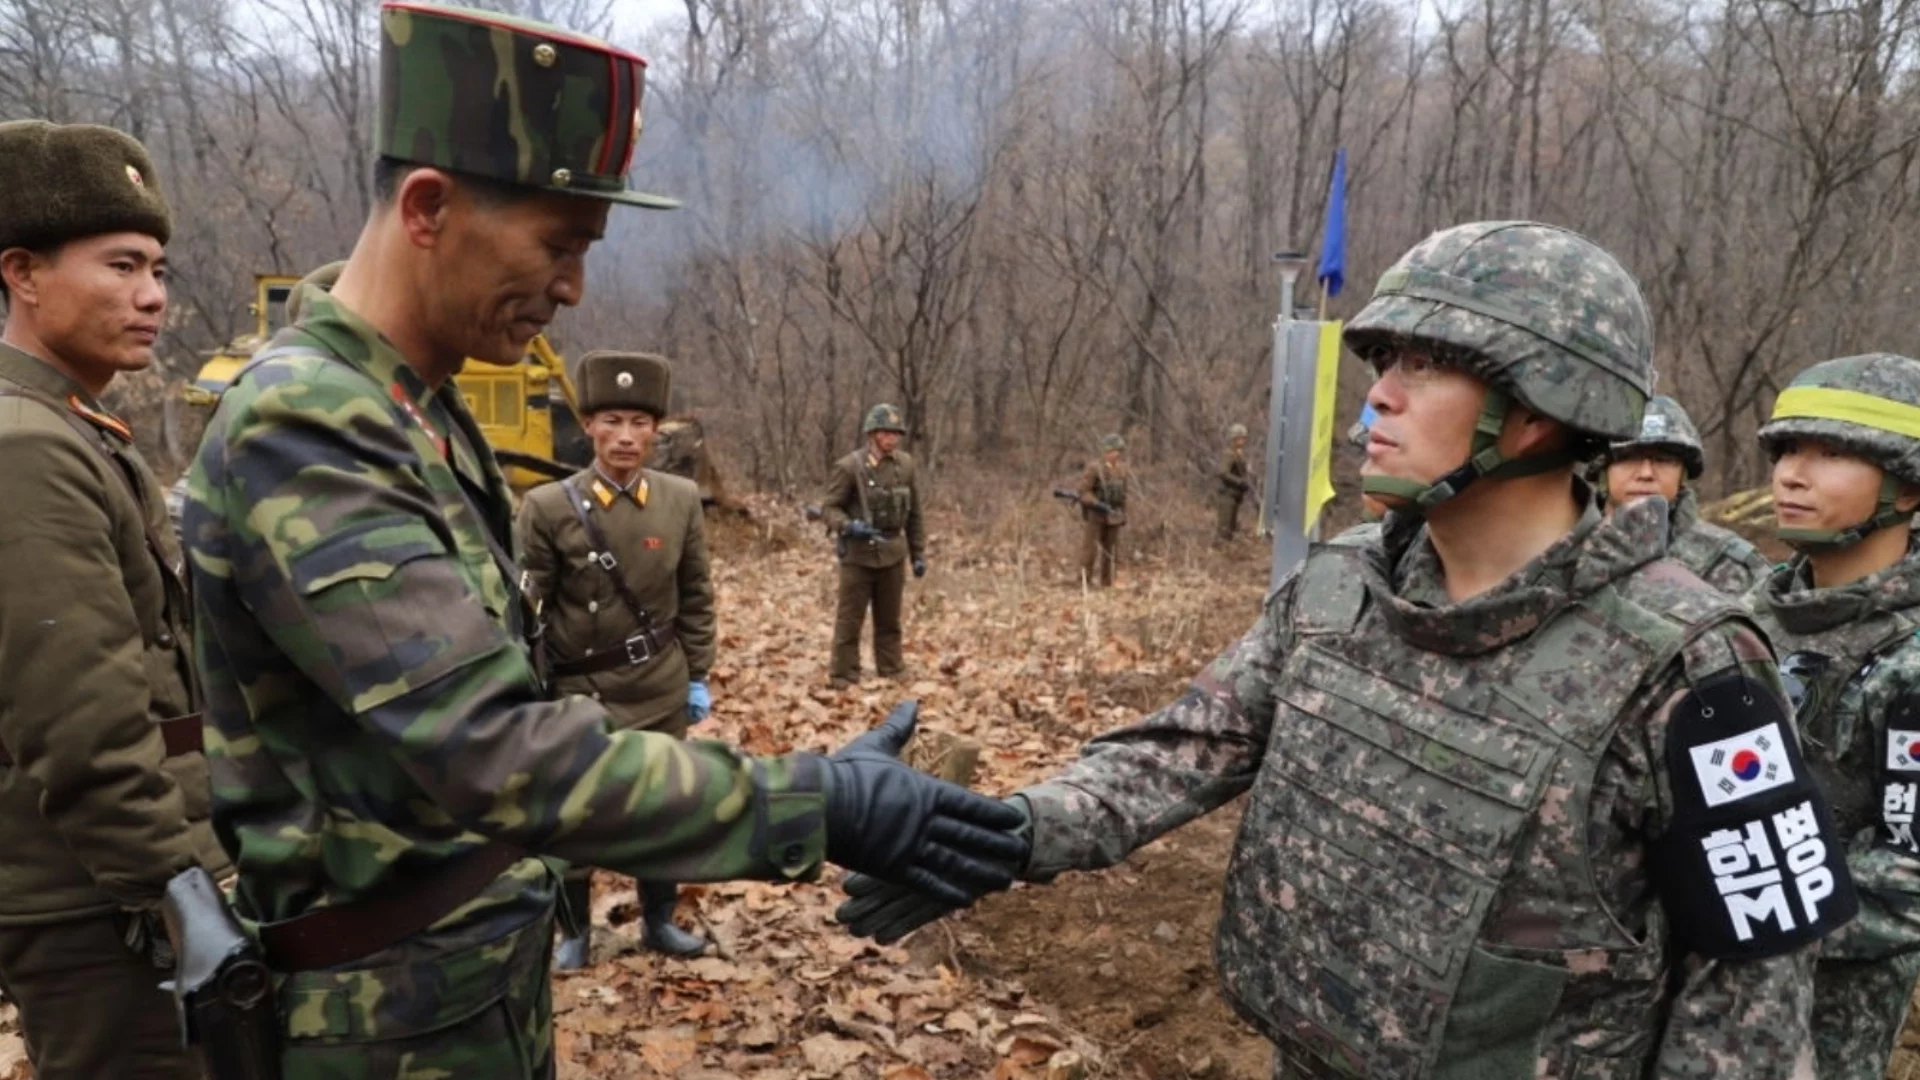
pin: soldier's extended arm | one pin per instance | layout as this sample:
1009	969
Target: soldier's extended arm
73	683
695	621
840	495
1732	1018
356	587
1090	484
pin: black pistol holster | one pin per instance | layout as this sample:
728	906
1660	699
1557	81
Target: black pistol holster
222	985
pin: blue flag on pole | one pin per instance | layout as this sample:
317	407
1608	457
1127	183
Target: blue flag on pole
1333	243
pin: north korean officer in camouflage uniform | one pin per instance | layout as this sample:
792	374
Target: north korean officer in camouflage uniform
1235	481
872	503
103	792
616	563
1525	802
1103	509
1845	442
385	758
1664	459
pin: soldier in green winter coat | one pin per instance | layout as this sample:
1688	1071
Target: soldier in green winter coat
1845	443
616	564
1522	801
1235	480
103	790
872	503
1664	459
388	767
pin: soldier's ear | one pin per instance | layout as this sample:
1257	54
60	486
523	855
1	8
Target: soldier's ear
17	270
423	202
1909	499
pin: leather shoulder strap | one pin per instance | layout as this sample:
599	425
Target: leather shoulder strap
602	555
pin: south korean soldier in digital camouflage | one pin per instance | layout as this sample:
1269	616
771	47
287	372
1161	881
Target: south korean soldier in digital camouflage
1525	803
1845	443
1664	460
103	790
385	756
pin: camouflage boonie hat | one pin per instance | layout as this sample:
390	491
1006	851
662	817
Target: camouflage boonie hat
509	99
1866	405
1112	442
1666	428
1237	431
623	380
884	418
1537	310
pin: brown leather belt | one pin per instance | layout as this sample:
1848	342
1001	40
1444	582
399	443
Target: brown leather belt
400	908
638	650
181	734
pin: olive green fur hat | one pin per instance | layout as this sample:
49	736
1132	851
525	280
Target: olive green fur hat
68	181
624	380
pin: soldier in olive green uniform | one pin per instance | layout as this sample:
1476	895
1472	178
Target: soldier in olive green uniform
1235	481
1103	509
1664	460
616	563
873	504
388	767
103	791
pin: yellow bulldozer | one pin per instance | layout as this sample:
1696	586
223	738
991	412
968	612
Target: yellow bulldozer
528	412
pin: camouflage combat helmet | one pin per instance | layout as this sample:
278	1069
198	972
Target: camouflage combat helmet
1666	428
884	418
1866	405
1112	442
1237	431
1544	316
510	100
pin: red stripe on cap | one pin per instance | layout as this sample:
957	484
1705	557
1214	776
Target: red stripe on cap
634	76
613	113
558	33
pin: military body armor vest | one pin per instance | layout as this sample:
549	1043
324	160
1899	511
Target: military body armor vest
1389	911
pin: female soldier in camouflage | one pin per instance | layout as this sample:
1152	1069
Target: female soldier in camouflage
1845	439
1664	460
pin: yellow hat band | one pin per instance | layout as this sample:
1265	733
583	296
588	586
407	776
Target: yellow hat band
1851	406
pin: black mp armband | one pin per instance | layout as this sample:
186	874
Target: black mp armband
1750	865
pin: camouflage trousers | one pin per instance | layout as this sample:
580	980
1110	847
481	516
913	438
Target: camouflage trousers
482	1012
89	1007
1858	1006
863	587
1099	552
1226	517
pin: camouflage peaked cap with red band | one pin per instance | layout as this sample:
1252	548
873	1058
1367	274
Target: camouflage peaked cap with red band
511	100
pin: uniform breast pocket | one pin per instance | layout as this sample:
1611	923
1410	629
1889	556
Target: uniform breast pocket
385	612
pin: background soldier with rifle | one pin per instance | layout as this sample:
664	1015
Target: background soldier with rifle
1103	509
872	504
1235	481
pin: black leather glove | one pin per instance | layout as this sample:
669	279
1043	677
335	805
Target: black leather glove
919	568
896	823
859	530
886	913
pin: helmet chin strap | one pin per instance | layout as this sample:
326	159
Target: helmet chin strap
1885	513
1484	460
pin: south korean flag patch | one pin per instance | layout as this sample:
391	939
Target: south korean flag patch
1900	776
1750	865
1903	751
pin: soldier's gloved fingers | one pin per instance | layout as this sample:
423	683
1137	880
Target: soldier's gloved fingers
961	869
891	736
980	811
937	887
908	912
857	885
995	844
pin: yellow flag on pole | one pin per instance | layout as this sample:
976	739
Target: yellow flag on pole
1326	381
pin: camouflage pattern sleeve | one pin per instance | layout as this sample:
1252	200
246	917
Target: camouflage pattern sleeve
73	681
1730	1020
1132	785
1888	925
839	499
694	621
339	550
